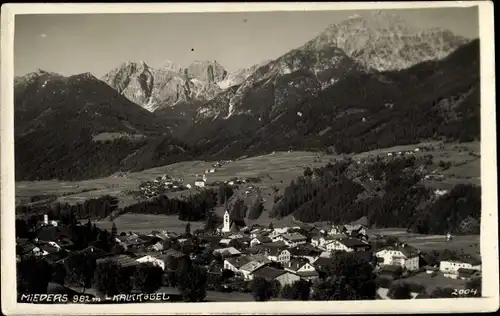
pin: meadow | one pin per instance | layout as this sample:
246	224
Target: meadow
274	170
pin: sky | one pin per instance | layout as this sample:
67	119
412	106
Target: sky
70	44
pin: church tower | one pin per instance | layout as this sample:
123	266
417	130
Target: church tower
227	225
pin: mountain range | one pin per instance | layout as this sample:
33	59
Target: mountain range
369	81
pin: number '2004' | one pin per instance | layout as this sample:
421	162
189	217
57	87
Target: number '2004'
464	292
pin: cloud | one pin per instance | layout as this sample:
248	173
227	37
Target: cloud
43	35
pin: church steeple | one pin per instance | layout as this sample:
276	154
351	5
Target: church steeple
227	222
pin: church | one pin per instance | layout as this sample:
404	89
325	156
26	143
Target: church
229	225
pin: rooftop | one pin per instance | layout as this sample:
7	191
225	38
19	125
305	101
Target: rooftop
295	264
465	259
251	266
268	273
353	242
122	260
233	251
238	262
294	237
407	250
308	273
467	272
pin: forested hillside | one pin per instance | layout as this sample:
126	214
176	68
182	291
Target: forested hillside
388	193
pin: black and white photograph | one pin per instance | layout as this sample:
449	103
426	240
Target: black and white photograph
277	158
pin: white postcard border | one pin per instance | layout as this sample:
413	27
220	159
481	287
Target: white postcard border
489	218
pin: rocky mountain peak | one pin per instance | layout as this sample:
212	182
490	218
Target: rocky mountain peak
207	70
382	41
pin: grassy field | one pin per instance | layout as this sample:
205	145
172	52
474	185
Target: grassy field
468	243
145	223
430	283
465	160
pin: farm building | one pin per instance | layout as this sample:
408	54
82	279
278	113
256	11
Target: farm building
403	255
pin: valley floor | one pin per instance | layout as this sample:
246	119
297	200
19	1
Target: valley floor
275	170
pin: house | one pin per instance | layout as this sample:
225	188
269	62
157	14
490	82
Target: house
53	233
199	183
467	274
277	254
335	230
248	268
26	248
235	263
294	239
273	274
354	230
225	241
275	235
174	253
260	240
155	261
302	268
326	254
157	247
228	252
347	244
235	236
305	251
403	255
95	252
322	241
56	257
450	266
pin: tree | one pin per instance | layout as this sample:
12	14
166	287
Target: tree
358	274
288	292
114	230
81	267
33	276
399	291
147	278
308	172
261	289
256	209
59	273
188	229
124	280
334	289
442	293
475	285
300	290
111	279
239	210
271	226
192	282
275	288
211	223
117	249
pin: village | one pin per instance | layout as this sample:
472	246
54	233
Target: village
235	254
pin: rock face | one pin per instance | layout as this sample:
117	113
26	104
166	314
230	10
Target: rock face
370	43
240	75
383	41
166	86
